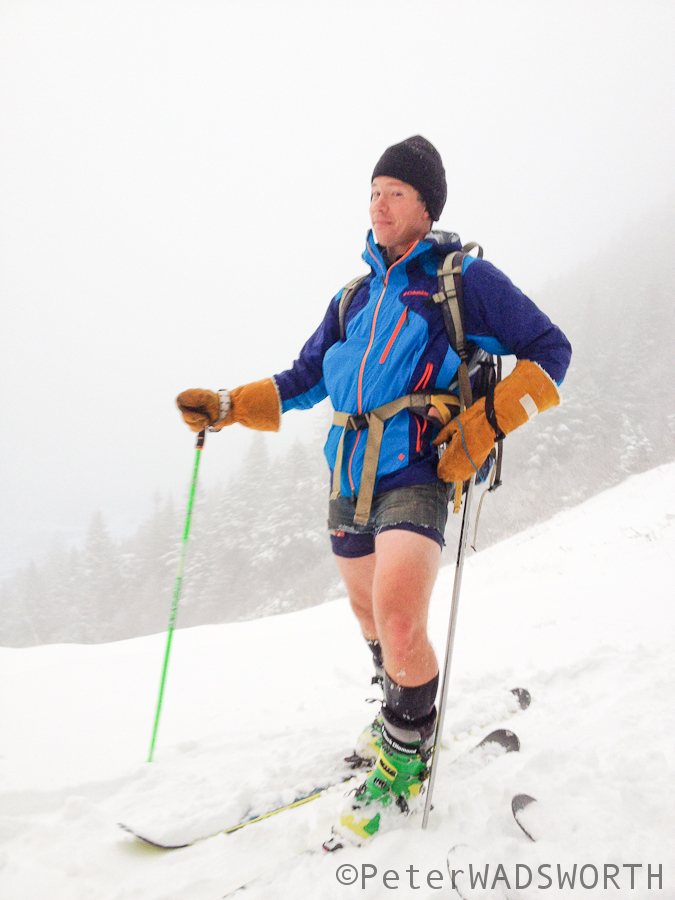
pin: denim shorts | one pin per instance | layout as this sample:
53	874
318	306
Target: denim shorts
422	508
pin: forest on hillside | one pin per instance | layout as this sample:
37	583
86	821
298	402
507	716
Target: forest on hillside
259	545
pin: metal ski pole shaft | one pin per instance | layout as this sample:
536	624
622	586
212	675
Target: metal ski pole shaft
449	645
177	586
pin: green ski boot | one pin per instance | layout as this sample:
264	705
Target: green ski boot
395	785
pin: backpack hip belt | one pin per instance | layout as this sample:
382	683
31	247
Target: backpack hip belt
374	421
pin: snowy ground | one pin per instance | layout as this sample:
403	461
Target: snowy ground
578	610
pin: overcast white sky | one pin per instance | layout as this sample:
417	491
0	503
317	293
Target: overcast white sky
184	185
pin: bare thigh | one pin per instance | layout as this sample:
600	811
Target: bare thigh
389	592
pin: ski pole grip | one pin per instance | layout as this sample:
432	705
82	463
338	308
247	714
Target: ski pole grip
200	439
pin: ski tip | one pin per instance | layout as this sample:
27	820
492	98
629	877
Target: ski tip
523	696
520	801
148	841
505	738
518	804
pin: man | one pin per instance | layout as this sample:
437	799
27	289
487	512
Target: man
388	506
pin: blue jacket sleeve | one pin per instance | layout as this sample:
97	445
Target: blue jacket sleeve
496	308
302	386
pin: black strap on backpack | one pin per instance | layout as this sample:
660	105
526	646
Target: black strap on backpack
494	378
491	416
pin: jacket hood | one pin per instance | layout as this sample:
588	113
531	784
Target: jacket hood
445	241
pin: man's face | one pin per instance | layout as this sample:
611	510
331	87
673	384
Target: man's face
398	215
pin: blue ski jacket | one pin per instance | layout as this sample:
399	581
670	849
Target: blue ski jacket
396	343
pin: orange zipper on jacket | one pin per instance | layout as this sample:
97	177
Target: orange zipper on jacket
399	325
359	392
421	385
424	380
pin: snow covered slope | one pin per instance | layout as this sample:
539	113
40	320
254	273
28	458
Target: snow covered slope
578	610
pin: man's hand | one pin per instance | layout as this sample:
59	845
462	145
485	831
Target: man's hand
475	433
527	391
200	408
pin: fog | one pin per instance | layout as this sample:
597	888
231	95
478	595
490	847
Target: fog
184	186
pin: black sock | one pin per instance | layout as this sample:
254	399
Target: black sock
410	704
378	662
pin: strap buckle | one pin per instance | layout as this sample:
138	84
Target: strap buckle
440	297
357	422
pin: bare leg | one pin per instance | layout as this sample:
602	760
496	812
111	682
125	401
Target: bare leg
357	575
405	572
389	592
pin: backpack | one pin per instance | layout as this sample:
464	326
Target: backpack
479	372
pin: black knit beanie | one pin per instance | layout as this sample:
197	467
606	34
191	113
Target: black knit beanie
419	164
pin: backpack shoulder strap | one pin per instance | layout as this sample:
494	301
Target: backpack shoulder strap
451	297
348	294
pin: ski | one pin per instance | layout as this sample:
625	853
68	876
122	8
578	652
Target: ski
522	696
299	801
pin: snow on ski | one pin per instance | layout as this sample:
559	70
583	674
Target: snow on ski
343	777
299	801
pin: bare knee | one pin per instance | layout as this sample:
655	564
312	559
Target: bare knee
402	633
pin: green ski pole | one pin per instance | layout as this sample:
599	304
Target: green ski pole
177	586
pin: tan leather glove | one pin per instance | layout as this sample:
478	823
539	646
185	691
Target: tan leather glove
199	408
528	390
254	405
